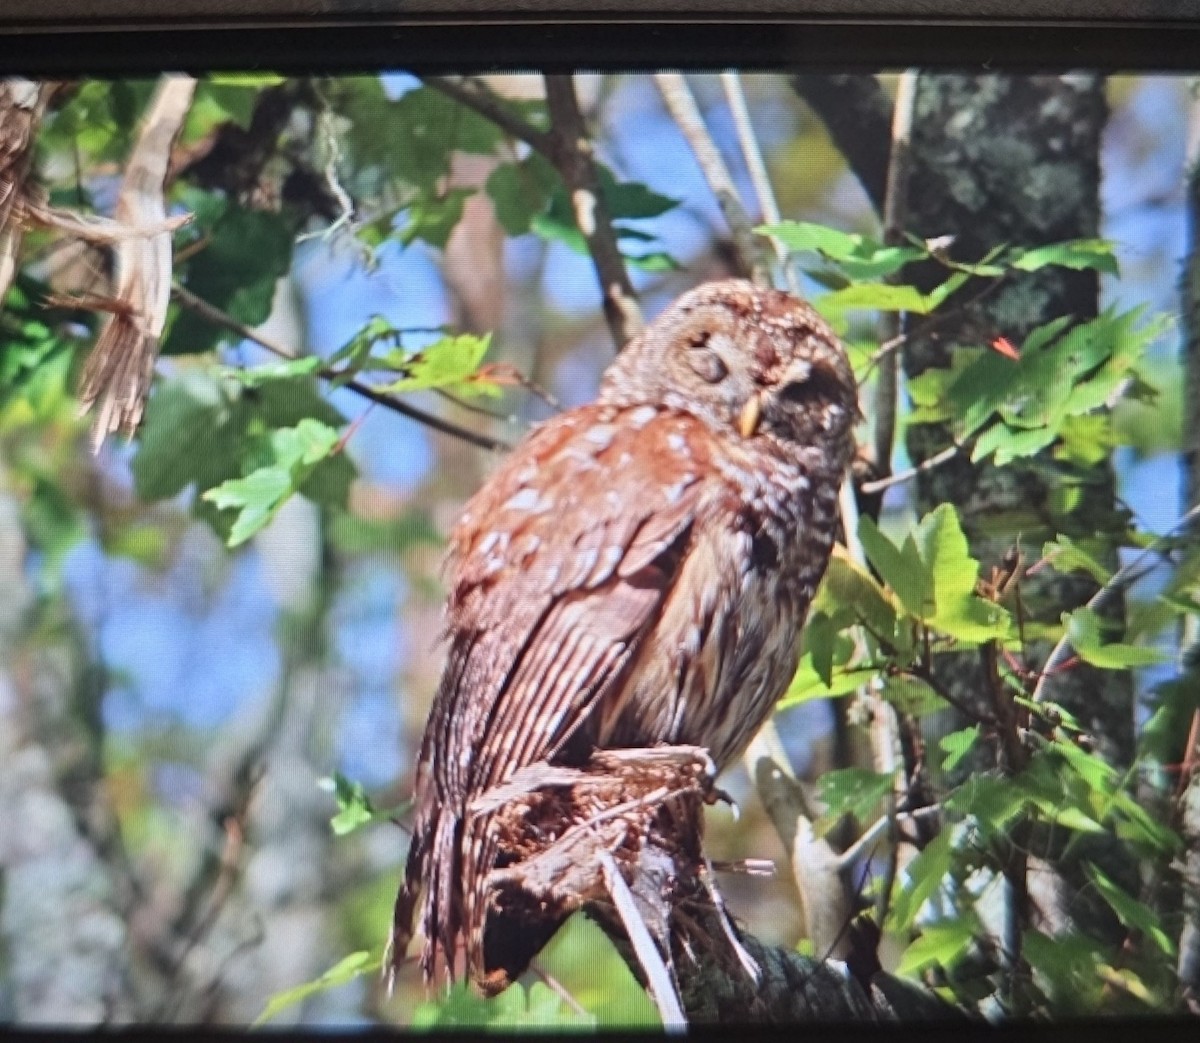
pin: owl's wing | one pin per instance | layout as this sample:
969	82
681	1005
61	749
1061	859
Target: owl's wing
562	563
558	570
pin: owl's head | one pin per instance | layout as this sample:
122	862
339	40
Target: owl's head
746	360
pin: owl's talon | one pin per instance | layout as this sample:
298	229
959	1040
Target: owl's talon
716	795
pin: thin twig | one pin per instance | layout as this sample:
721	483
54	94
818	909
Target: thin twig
877	485
558	988
887	390
931	322
333	160
880	826
681	104
1122	578
572	154
658	977
220	318
752	154
849	508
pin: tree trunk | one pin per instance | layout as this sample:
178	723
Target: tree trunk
1008	159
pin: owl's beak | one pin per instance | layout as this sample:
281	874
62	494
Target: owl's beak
751	416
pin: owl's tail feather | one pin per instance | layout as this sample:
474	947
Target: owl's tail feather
433	863
464	934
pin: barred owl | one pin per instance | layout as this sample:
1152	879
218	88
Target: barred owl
636	573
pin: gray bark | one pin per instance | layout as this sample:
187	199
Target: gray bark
1007	159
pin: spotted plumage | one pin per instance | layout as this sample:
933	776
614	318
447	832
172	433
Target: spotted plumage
636	573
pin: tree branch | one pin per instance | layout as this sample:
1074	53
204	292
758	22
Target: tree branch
21	105
480	98
572	154
752	154
680	103
1116	584
568	146
116	377
826	902
219	318
895	208
878	485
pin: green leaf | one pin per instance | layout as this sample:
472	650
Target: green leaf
902	570
256	80
846	585
1066	966
851	791
247	252
801	236
345	970
911	695
807	684
1132	913
295	454
654	261
1096	254
256	376
956	745
193	434
449	363
858	256
632	200
354	355
356	536
818	637
355	808
256	498
942	944
1084	632
216	102
926	874
1010	444
514	1008
626	201
1065	555
521	191
959	612
412	138
874	297
992	802
432	217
